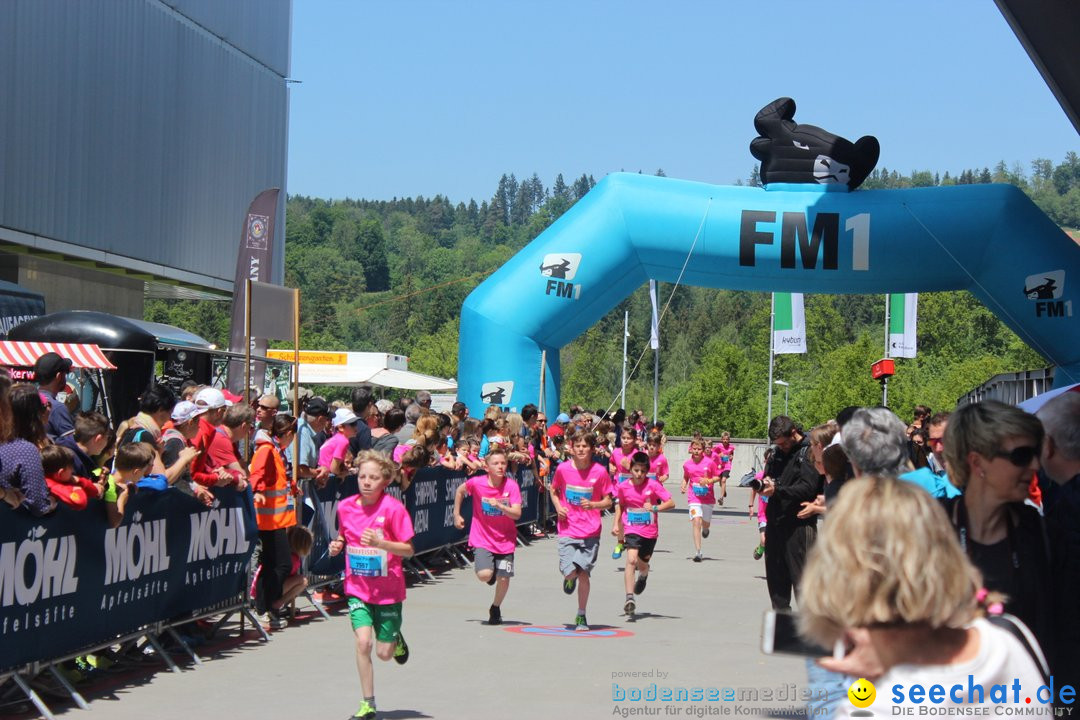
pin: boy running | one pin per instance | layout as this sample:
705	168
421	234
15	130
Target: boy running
658	464
375	533
619	467
579	491
639	500
492	534
699	475
722	454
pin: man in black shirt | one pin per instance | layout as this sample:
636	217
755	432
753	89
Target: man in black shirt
790	480
363	402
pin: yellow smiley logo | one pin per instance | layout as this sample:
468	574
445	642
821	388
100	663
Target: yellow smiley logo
862	693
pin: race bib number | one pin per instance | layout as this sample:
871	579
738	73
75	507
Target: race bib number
653	476
366	561
638	517
504	564
725	458
488	509
622	477
700	490
576	495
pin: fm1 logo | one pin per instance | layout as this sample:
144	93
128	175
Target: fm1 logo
561	268
823	238
1046	289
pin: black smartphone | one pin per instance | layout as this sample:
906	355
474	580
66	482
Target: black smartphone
780	634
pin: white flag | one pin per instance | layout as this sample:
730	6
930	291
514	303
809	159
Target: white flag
654	338
903	314
789	324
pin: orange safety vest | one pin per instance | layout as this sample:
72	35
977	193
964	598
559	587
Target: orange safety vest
269	478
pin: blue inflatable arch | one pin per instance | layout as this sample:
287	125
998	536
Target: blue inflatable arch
989	239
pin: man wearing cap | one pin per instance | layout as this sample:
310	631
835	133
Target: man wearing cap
315	418
559	427
51	371
265	410
204	470
177	451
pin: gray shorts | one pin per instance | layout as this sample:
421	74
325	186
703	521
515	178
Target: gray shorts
503	565
577	553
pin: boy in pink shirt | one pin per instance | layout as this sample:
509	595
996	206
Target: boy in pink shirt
496	502
722	453
619	467
639	499
376	533
658	464
579	491
699	475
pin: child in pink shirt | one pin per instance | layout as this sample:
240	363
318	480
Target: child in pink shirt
636	520
496	505
619	467
375	532
699	475
722	454
658	464
579	491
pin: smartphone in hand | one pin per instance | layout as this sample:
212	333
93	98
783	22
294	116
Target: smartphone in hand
780	634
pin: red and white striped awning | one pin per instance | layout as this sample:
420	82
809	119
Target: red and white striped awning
25	354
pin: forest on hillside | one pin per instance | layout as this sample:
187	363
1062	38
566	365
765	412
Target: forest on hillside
391	275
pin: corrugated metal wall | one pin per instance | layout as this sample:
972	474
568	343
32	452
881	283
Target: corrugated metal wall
130	126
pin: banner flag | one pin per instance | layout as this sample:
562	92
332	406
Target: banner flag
654	337
789	326
253	262
903	314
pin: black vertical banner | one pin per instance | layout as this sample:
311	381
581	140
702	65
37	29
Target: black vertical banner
253	262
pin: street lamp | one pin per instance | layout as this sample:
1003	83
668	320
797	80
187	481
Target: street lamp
785	386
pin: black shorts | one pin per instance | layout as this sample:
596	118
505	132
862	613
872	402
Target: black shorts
643	545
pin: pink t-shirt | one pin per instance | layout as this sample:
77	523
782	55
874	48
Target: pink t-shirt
632	498
371	574
722	454
696	493
658	466
492	529
572	486
336	447
617	456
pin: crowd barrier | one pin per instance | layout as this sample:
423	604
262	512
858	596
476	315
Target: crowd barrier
71	585
70	582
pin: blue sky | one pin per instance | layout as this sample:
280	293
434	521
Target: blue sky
403	98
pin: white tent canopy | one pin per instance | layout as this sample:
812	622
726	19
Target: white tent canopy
330	367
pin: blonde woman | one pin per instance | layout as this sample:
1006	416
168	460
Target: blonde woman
889	577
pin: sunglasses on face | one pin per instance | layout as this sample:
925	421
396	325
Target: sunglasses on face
935	441
1020	456
267	409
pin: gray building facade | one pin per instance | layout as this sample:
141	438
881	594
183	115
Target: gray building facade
133	136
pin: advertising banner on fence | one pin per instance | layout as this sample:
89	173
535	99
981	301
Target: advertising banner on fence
68	581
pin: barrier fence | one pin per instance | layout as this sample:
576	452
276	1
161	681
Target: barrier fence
70	583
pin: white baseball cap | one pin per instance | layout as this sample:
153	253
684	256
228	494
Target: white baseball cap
344	416
186	410
211	399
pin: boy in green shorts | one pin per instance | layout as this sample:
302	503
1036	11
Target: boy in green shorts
376	533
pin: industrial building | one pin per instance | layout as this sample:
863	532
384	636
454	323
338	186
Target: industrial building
133	136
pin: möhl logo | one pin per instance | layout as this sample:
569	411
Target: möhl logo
37	569
561	268
134	550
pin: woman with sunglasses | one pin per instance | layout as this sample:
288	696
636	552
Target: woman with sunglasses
992	453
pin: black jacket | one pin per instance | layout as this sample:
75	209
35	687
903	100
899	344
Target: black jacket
797	481
1032	597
